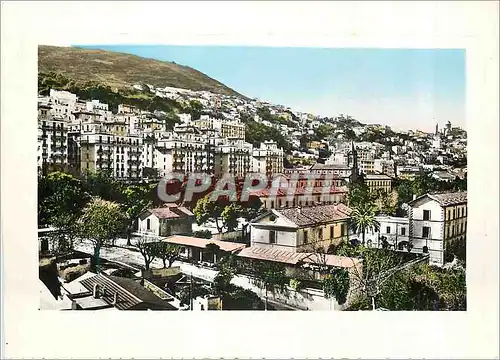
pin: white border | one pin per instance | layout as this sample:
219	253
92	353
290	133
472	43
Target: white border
30	333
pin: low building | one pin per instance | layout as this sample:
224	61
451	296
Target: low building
393	233
202	250
301	229
166	221
101	291
436	220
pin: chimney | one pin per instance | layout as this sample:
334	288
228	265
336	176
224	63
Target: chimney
115	299
95	293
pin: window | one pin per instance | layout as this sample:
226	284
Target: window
320	234
342	229
305	236
148	222
462	227
427	214
454	213
388	230
426	231
272	204
403	231
463	211
449	214
272	237
331	232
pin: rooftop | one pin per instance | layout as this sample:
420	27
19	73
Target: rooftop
131	294
446	198
304	216
294	258
170	211
202	243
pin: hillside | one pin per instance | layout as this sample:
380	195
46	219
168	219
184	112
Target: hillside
121	71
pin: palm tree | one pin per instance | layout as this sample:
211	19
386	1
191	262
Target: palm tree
363	218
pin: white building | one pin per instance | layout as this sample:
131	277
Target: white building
268	158
437	220
166	221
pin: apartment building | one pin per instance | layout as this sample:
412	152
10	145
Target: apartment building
268	159
184	156
52	151
436	220
378	182
384	166
224	128
233	156
103	150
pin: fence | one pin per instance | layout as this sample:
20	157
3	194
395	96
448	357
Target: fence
235	236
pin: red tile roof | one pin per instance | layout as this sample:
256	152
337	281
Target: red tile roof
283	192
202	243
294	258
170	211
305	216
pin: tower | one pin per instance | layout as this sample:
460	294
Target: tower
437	129
354	177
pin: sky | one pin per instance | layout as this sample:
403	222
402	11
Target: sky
402	88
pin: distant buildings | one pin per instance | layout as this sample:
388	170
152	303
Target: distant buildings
131	144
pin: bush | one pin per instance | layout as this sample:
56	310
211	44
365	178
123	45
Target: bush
204	234
295	284
238	298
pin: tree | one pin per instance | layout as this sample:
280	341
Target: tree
147	250
363	219
359	193
337	285
136	200
230	216
195	108
386	202
167	252
269	275
227	270
207	210
61	199
100	222
103	185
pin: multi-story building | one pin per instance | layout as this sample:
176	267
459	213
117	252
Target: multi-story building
52	141
436	220
378	182
268	159
182	155
281	198
233	156
384	166
224	128
335	169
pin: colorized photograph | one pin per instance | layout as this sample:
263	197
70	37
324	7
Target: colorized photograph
196	178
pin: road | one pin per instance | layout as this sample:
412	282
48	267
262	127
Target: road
135	259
